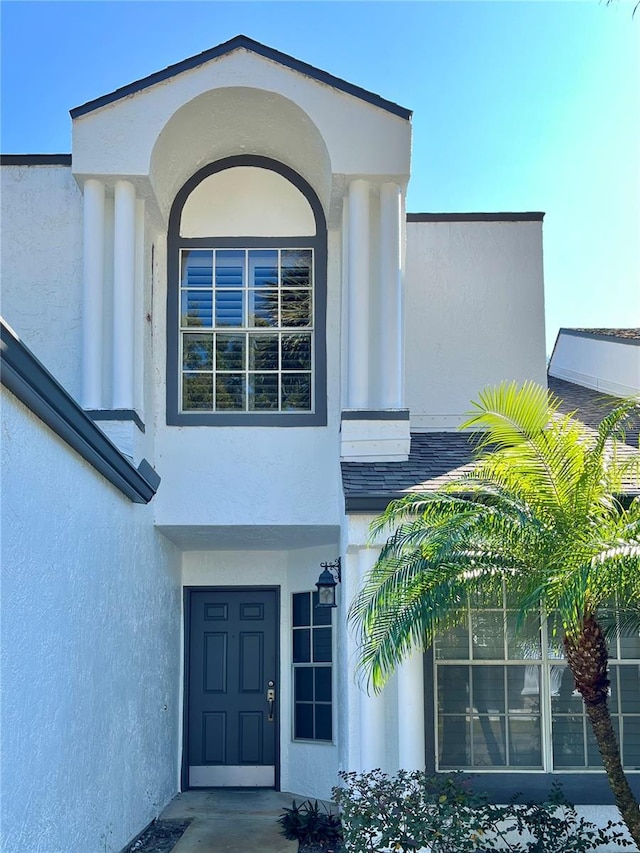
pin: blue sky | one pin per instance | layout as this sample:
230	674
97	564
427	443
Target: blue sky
517	106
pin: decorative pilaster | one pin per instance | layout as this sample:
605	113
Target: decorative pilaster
372	712
124	240
93	294
391	296
411	744
359	294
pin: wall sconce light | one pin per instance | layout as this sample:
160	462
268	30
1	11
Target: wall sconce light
329	578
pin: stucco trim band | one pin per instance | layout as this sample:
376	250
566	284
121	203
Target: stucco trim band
534	216
26	377
236	43
116	415
375	415
35	159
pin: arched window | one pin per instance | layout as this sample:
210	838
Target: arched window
246	298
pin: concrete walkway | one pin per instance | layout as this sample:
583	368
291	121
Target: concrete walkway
231	820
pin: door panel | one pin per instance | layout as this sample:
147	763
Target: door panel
231	734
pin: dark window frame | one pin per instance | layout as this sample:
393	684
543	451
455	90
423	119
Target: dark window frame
318	243
312	627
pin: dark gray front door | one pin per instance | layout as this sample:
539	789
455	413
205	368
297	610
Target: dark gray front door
232	690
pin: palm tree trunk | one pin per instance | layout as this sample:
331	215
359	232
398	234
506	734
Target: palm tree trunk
600	720
588	660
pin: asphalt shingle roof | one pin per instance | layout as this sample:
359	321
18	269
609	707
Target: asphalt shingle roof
625	334
438	457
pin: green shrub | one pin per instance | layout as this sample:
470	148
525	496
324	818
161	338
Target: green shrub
309	824
412	810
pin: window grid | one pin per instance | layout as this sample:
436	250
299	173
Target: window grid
548	676
312	645
246	330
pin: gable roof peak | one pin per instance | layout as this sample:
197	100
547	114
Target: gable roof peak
242	42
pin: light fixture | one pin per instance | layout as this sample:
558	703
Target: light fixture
329	578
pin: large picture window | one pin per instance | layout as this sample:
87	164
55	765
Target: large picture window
246	298
312	670
246	330
506	699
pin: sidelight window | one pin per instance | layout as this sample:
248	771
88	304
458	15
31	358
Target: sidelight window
312	644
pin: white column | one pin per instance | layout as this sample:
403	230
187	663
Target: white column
358	285
92	296
411	744
372	716
139	312
391	295
124	241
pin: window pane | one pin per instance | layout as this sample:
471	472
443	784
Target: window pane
296	268
263	268
197	391
629	677
487	632
630	647
525	744
631	742
303	690
488	688
322	645
263	352
302	645
303	727
453	688
197	352
454	743
230	268
454	644
263	308
230	352
296	352
263	391
489	741
301	609
523	643
323	683
296	308
568	742
229	307
321	615
296	391
230	391
196	308
523	689
197	268
323	722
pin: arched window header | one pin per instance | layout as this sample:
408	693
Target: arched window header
246	299
247	200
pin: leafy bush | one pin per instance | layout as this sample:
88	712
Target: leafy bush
412	810
309	824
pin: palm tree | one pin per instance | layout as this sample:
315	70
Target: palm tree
539	516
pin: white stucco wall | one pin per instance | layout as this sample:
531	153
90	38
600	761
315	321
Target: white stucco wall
246	200
41	210
608	365
308	769
90	652
474	314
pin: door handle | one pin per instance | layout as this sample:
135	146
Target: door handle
271	698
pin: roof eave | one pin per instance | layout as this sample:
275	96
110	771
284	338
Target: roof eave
237	43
